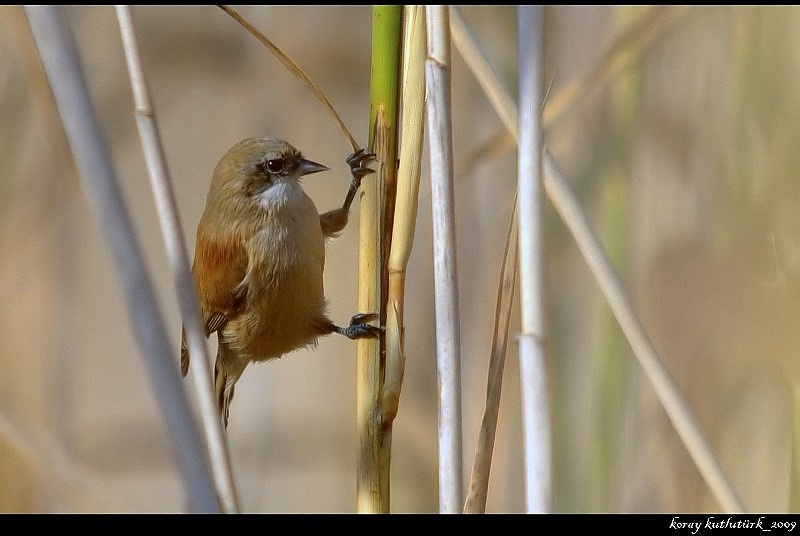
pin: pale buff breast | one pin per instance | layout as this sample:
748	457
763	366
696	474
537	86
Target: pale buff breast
285	287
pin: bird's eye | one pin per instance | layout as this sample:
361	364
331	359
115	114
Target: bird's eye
275	165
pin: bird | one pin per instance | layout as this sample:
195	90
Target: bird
259	259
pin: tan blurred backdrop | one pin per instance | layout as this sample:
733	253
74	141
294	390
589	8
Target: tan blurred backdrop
686	164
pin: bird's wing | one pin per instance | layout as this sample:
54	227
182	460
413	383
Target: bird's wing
220	267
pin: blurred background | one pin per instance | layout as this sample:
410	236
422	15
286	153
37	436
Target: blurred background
685	160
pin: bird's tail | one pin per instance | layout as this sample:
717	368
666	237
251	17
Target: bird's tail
226	373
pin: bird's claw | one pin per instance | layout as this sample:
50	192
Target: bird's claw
363	318
358	162
359	329
360	156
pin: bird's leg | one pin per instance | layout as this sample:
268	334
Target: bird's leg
334	221
358	169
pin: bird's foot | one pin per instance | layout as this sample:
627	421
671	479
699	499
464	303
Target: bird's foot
358	162
359	327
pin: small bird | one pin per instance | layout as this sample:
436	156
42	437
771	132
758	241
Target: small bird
259	258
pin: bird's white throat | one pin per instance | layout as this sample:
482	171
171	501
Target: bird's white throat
282	193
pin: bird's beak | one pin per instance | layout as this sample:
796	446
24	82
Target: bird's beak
307	167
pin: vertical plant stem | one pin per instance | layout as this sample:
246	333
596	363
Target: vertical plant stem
59	57
448	337
533	365
410	156
179	263
377	212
